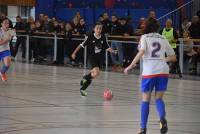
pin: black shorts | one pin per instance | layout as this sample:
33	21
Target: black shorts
96	60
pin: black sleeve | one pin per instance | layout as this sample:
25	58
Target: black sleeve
175	34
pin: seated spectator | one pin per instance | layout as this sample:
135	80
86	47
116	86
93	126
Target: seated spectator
190	53
185	26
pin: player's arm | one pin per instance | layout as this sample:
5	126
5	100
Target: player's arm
137	58
82	45
107	46
142	48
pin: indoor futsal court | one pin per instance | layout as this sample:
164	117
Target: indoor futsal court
40	99
99	66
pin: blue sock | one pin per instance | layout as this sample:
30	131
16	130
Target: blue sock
4	69
144	113
160	105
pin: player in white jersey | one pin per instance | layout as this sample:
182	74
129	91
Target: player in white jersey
153	48
5	55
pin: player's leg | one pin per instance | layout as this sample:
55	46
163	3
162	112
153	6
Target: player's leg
146	97
5	67
87	79
161	87
160	106
146	88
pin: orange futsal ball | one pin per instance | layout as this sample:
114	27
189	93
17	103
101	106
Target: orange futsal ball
108	94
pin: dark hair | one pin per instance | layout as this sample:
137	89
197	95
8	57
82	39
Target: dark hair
98	23
4	20
152	26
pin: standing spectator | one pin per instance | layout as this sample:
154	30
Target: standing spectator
171	35
195	28
127	30
82	27
141	26
29	22
32	42
152	14
76	25
198	13
106	24
68	43
20	26
117	58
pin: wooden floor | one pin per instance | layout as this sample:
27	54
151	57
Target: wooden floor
40	99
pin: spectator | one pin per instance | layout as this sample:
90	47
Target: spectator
117	58
172	36
152	14
198	13
106	24
75	25
190	54
20	26
82	27
195	28
141	26
127	47
185	25
68	43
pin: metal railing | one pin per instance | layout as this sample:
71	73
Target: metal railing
130	39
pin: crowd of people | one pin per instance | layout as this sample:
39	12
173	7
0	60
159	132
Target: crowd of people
41	49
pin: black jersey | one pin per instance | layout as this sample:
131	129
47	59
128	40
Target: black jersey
95	45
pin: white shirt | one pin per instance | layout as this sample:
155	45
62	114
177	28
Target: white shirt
5	35
156	47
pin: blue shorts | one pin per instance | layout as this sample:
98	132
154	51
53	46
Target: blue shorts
159	83
4	54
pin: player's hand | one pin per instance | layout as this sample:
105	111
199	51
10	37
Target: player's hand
111	50
126	70
130	67
73	56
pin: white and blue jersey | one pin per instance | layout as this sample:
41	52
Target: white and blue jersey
5	48
155	69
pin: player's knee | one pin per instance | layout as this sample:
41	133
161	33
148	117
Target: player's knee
146	97
159	95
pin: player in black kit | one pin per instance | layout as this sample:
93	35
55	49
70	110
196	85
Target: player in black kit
96	44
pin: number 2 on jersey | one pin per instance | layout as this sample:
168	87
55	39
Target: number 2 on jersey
157	47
